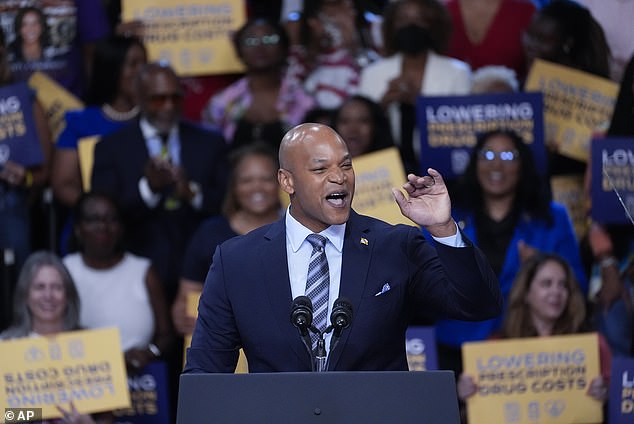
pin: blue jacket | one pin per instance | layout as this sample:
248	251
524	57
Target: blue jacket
246	299
559	238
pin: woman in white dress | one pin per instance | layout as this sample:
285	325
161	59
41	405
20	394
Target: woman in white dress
117	288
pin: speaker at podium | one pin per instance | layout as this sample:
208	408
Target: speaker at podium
369	397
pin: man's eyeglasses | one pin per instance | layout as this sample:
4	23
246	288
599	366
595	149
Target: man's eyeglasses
504	156
266	40
160	99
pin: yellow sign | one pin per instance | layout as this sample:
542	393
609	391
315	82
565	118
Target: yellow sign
577	105
375	175
192	304
84	367
194	36
55	100
568	190
192	311
86	153
533	380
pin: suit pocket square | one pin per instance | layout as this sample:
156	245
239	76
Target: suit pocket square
386	288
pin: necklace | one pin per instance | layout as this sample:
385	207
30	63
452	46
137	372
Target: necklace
115	115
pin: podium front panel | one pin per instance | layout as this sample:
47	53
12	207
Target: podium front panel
426	397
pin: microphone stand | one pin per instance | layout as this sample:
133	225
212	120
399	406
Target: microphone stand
308	345
320	357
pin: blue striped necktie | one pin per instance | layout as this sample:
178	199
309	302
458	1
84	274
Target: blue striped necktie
318	283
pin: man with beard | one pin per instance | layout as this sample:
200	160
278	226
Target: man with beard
324	250
414	32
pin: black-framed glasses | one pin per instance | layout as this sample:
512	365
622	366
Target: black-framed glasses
504	156
265	40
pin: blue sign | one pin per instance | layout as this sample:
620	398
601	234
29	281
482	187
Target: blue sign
449	127
612	183
621	400
420	345
149	396
19	141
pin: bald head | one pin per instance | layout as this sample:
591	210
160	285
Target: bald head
160	96
304	135
151	69
316	171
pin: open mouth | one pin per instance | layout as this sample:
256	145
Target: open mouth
337	199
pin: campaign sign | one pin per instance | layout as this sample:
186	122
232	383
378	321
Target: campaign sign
570	191
194	36
612	182
83	367
375	175
577	105
621	402
449	127
19	141
55	100
420	345
149	396
533	380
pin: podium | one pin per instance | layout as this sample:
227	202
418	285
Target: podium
422	397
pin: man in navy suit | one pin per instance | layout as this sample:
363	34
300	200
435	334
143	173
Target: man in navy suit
167	175
388	273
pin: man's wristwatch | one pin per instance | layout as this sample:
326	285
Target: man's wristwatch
154	349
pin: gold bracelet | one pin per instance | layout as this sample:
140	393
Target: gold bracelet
28	179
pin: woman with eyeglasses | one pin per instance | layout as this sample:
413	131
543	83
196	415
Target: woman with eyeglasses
504	206
266	103
117	288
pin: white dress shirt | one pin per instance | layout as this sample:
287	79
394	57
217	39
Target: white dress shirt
154	146
298	252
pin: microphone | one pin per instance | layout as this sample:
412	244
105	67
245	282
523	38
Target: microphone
341	316
302	318
302	314
340	319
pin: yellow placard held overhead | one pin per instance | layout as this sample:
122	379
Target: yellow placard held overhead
533	380
577	105
55	100
83	367
194	36
375	175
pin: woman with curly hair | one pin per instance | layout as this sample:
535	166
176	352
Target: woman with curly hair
503	206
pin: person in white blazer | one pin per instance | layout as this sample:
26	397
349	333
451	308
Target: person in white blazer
414	33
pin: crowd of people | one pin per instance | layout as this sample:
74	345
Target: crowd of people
134	238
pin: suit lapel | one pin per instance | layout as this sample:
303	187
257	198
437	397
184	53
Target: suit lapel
357	251
274	266
136	146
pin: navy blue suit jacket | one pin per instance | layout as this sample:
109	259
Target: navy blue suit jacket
157	233
246	300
